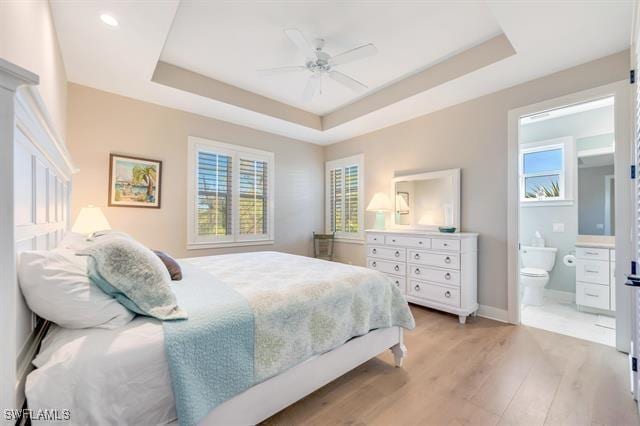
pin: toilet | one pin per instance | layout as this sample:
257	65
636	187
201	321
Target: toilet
537	262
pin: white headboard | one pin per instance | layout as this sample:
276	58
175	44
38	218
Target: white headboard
35	188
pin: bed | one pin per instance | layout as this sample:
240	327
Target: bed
85	370
123	375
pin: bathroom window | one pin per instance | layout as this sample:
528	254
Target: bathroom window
544	176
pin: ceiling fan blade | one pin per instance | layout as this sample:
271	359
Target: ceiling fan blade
268	72
298	39
310	90
347	81
354	54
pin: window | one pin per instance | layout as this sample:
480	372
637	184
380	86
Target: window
230	195
344	197
546	171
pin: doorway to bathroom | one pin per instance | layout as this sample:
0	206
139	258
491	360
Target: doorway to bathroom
566	219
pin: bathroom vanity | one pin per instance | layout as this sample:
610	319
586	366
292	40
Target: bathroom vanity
595	280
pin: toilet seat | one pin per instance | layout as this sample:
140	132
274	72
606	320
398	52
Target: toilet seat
533	272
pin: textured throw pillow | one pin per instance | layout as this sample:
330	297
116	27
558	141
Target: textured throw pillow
132	274
56	287
172	266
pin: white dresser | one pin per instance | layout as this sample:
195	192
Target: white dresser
595	279
431	268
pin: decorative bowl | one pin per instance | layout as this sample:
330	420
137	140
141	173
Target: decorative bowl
447	229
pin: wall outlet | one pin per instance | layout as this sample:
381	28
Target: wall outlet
558	227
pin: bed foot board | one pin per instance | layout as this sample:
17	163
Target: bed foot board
399	352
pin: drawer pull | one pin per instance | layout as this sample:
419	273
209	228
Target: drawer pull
447	293
447	276
417	256
591	294
393	241
374	264
374	251
419	242
447	259
417	287
591	253
397	253
592	271
396	268
417	271
397	283
445	245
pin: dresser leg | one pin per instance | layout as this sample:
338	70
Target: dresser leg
399	352
462	319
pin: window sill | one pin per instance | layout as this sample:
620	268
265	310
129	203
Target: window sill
202	246
350	240
546	203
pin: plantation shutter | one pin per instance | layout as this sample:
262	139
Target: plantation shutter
343	196
214	205
335	182
351	201
253	197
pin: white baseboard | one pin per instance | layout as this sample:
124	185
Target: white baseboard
560	296
493	313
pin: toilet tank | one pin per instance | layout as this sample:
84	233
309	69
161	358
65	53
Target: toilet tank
538	257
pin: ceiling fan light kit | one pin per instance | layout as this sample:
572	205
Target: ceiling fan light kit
320	63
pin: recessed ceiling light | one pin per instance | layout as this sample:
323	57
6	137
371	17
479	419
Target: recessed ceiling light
109	20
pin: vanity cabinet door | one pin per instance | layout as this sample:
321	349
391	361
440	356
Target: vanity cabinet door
593	271
587	253
594	295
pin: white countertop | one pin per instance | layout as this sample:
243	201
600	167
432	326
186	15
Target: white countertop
592	244
422	232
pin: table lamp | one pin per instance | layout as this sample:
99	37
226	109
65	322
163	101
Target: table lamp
380	203
90	220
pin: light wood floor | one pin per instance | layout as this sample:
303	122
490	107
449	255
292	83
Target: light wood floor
483	373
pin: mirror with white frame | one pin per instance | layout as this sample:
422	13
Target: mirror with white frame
427	200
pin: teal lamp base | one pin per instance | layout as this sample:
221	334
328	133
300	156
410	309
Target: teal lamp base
379	220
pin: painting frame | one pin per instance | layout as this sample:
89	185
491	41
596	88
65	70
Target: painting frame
114	191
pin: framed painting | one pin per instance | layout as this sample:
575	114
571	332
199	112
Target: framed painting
134	182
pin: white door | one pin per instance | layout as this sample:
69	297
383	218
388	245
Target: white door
635	254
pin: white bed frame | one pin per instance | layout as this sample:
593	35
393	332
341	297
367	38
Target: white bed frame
35	178
35	187
267	398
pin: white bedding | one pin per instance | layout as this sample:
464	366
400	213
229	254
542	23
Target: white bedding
101	376
122	376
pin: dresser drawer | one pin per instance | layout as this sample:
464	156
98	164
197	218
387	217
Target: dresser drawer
594	295
404	241
434	259
434	292
390	253
375	239
592	253
592	271
400	282
433	274
442	244
397	268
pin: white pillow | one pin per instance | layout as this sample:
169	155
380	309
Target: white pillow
56	287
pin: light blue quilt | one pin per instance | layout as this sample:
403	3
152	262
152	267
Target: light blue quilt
255	315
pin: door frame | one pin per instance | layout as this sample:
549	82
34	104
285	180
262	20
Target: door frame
623	158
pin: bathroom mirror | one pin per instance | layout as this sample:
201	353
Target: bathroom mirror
596	185
427	200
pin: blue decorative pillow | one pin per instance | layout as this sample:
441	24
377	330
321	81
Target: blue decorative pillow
132	274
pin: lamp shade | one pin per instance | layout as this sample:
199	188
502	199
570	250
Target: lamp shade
90	220
380	203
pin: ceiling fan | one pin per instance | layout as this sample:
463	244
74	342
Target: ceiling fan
320	63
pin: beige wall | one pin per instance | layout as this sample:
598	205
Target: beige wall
101	123
28	39
472	136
